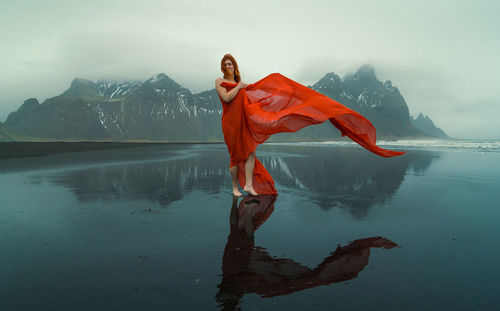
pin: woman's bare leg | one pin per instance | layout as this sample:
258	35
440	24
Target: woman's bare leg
249	166
234	178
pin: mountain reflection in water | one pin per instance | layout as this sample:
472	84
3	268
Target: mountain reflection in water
250	269
344	177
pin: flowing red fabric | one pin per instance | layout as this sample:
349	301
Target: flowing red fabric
276	104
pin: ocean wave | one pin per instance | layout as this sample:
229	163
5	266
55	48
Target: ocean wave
420	144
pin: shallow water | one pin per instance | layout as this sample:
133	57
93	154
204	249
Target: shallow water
151	228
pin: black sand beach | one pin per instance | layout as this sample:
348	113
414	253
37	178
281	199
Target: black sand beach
155	227
32	149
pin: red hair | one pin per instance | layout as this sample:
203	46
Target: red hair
237	76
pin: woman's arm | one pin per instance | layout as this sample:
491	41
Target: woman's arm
224	94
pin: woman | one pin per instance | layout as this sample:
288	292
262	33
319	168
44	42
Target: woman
240	146
275	104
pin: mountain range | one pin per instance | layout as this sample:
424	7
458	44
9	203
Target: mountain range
159	109
425	124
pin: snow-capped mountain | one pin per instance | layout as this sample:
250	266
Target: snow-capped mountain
157	109
161	109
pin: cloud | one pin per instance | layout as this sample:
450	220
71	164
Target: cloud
478	106
133	55
441	54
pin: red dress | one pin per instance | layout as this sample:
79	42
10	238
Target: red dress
276	104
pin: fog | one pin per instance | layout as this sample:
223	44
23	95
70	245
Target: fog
441	55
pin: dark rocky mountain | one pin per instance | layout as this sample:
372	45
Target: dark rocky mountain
61	117
425	124
4	136
161	109
379	102
158	109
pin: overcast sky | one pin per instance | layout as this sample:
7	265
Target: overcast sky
443	56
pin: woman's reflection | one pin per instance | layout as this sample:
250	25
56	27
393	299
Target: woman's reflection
250	269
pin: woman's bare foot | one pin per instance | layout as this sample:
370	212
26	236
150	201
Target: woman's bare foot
250	190
237	193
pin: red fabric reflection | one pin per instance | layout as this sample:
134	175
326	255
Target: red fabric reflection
247	268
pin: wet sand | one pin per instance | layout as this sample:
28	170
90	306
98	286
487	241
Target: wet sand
154	227
32	149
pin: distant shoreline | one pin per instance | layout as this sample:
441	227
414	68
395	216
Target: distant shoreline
34	149
17	149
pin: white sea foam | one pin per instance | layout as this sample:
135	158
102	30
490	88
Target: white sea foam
471	145
428	144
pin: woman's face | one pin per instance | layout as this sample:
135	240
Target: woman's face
228	65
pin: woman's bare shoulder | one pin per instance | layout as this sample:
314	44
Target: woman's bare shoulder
220	80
